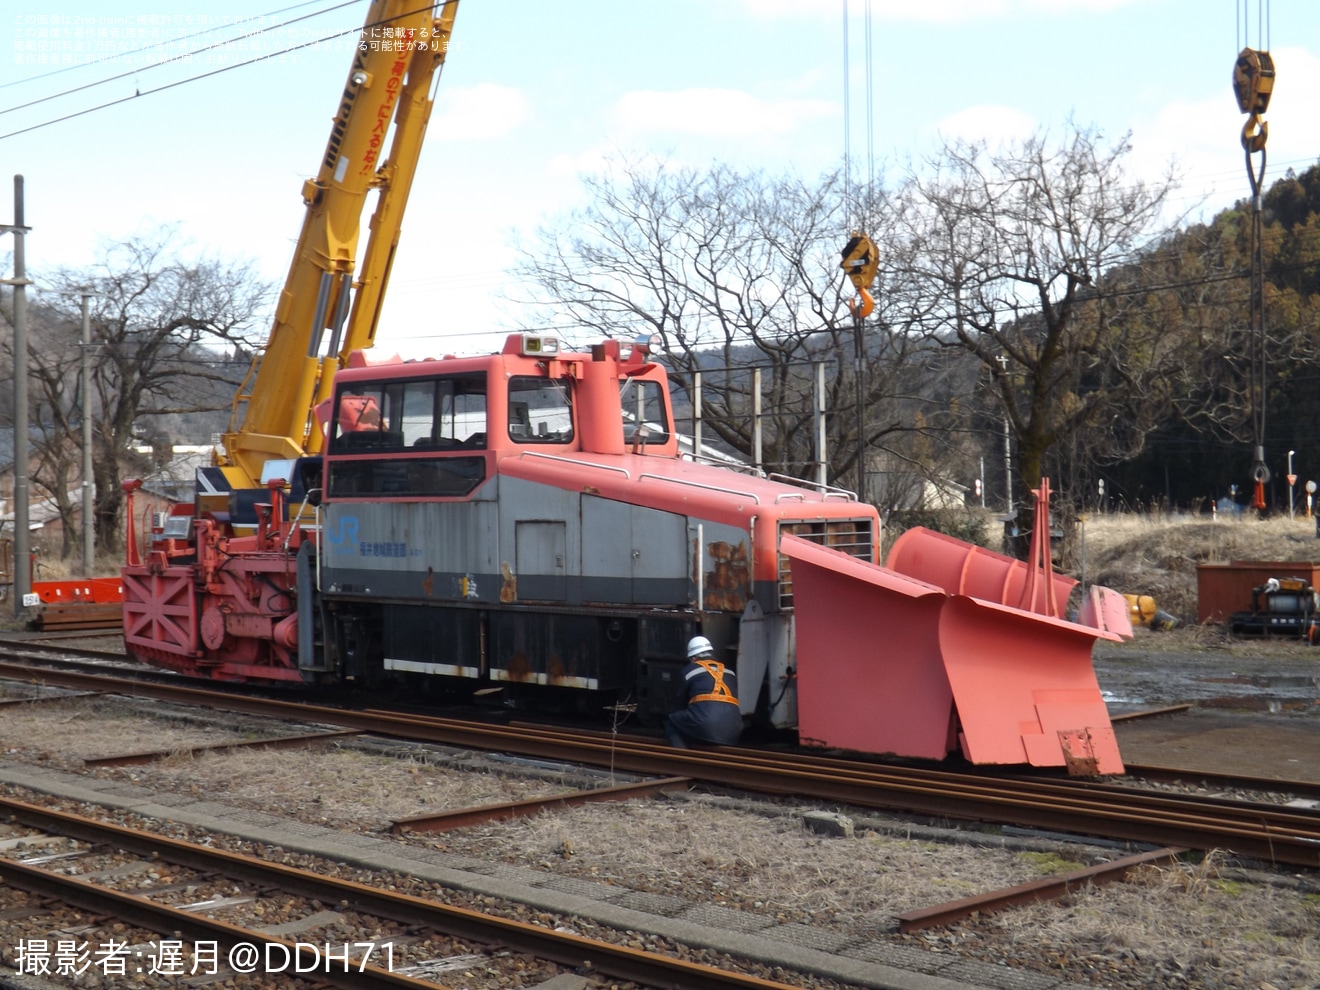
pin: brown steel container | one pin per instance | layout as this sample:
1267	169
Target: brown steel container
1222	589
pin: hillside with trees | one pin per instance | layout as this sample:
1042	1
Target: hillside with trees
1035	289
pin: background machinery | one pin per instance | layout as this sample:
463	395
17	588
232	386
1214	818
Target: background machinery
521	525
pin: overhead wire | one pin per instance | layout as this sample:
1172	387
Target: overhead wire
218	71
137	70
146	48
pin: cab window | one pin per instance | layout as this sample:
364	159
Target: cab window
643	404
427	413
540	410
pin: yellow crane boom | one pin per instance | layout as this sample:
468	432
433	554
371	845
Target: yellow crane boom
399	55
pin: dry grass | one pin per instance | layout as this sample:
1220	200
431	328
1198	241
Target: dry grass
336	786
1153	555
344	787
748	860
1194	924
53	732
1183	919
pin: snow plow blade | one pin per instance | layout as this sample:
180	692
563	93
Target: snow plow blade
887	663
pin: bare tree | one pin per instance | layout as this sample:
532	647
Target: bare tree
158	321
54	359
1019	246
732	270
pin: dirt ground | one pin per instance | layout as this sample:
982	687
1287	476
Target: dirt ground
1256	703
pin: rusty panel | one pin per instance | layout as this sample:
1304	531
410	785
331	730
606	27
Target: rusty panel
563	650
1222	589
728	582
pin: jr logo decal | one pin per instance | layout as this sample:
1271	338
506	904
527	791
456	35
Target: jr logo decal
343	536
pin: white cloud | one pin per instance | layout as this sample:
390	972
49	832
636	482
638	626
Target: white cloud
595	158
992	124
716	112
478	113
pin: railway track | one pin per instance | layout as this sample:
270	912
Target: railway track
187	884
1271	833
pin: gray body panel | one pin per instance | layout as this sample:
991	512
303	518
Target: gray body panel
537	543
541	586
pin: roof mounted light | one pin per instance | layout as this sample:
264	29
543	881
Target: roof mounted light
642	346
534	345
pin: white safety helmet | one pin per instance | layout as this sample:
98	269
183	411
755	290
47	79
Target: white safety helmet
699	646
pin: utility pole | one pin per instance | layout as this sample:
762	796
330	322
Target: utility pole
818	424
20	282
1008	448
89	539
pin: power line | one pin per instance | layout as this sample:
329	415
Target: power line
216	72
173	58
147	48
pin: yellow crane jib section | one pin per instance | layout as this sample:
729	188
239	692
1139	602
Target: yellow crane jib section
1253	82
861	261
401	45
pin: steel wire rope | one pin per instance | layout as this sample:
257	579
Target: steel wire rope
226	68
847	126
870	120
158	44
1258	356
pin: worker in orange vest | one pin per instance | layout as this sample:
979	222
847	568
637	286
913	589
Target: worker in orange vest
710	715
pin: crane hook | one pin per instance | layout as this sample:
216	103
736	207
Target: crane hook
861	260
1253	139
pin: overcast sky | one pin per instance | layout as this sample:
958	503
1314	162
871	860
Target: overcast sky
535	93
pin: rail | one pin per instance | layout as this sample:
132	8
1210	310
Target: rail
564	948
1267	832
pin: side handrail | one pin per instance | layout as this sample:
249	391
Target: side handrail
826	491
697	484
739	466
302	508
569	460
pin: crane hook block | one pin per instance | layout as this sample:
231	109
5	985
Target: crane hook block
861	260
1253	81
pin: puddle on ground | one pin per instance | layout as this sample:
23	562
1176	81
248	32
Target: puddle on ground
1265	680
1274	706
1275	694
